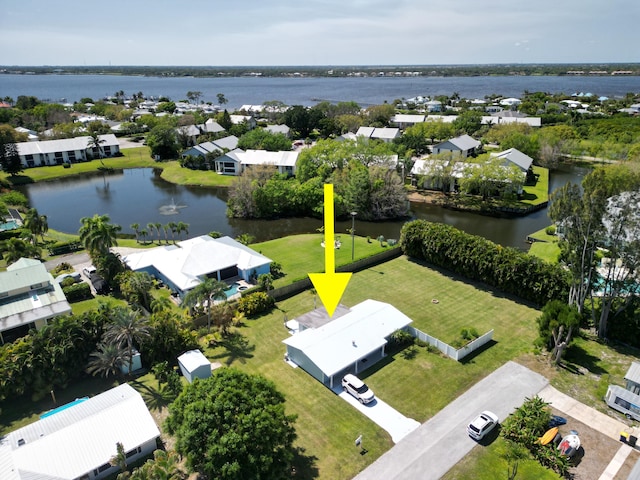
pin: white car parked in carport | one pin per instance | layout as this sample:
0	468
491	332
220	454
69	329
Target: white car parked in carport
357	388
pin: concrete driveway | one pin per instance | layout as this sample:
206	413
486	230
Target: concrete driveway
437	445
396	424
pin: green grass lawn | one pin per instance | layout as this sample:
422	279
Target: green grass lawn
417	383
546	247
300	255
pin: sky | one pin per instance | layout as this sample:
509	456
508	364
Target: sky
317	32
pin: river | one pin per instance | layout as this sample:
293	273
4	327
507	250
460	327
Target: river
307	91
141	196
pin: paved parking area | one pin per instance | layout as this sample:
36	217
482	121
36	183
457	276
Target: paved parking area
380	412
431	450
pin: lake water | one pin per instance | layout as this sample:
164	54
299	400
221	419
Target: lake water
141	196
307	91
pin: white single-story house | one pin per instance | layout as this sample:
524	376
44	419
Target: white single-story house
248	119
433	106
385	134
464	145
236	161
220	145
283	129
510	102
29	298
403	121
32	135
351	341
186	264
78	440
67	150
515	157
193	364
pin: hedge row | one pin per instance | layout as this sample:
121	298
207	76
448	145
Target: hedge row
477	258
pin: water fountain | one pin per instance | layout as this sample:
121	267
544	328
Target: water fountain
171	209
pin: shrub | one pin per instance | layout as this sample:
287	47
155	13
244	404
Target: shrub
14	198
64	267
255	303
64	247
551	230
77	292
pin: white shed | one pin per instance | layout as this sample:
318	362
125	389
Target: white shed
193	364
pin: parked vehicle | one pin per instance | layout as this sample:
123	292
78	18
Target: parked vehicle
75	275
357	388
88	271
482	425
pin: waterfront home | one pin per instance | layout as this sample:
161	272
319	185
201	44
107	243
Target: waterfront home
237	161
515	157
464	146
240	119
29	298
77	441
67	150
216	146
186	264
403	121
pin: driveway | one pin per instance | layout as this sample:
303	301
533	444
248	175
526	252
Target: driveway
396	424
437	445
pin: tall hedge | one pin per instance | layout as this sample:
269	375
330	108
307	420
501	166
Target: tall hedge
477	258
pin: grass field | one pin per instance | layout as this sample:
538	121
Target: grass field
546	247
300	255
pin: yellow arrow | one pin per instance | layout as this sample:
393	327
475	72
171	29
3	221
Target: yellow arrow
329	285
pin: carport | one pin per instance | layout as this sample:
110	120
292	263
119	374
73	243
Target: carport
352	342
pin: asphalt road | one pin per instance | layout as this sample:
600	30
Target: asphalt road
438	444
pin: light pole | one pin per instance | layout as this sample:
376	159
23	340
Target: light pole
353	233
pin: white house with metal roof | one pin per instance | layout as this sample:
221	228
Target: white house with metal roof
67	150
386	134
29	298
186	264
464	145
403	120
237	161
350	341
77	441
215	146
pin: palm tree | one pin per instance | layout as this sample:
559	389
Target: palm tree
95	142
98	235
127	328
206	292
166	229
135	227
107	360
158	226
14	249
143	234
151	227
174	228
182	227
37	224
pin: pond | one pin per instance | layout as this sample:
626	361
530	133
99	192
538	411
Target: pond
141	196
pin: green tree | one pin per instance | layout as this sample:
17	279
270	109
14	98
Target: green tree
136	288
98	235
221	99
37	224
194	96
95	143
107	360
136	228
260	139
165	465
127	328
233	426
205	294
14	249
556	327
9	157
469	122
163	142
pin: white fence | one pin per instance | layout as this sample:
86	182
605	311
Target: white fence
448	350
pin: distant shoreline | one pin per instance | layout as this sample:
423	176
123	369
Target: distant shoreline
328	71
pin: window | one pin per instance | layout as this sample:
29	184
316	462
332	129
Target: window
107	151
133	452
72	156
104	468
36	286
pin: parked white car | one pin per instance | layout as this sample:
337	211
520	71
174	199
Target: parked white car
357	388
482	425
88	271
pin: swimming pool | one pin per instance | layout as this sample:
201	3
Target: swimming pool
9	225
64	407
234	288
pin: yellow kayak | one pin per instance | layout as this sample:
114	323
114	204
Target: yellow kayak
548	436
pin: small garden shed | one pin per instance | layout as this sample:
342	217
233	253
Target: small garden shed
193	364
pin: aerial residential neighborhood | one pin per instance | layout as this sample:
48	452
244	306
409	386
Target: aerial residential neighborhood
179	330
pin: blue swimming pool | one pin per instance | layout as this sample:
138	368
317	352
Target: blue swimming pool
64	407
232	290
9	225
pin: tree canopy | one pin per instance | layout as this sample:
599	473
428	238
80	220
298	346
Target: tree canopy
233	426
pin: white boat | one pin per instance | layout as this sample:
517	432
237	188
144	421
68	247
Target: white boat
569	444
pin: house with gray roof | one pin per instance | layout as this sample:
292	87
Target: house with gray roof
77	441
515	157
404	121
237	161
29	298
67	150
216	146
283	129
385	134
464	145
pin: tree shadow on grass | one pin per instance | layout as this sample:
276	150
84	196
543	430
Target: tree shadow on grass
471	357
155	398
237	348
20	179
303	466
577	356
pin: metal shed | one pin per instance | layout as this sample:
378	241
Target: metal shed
193	364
